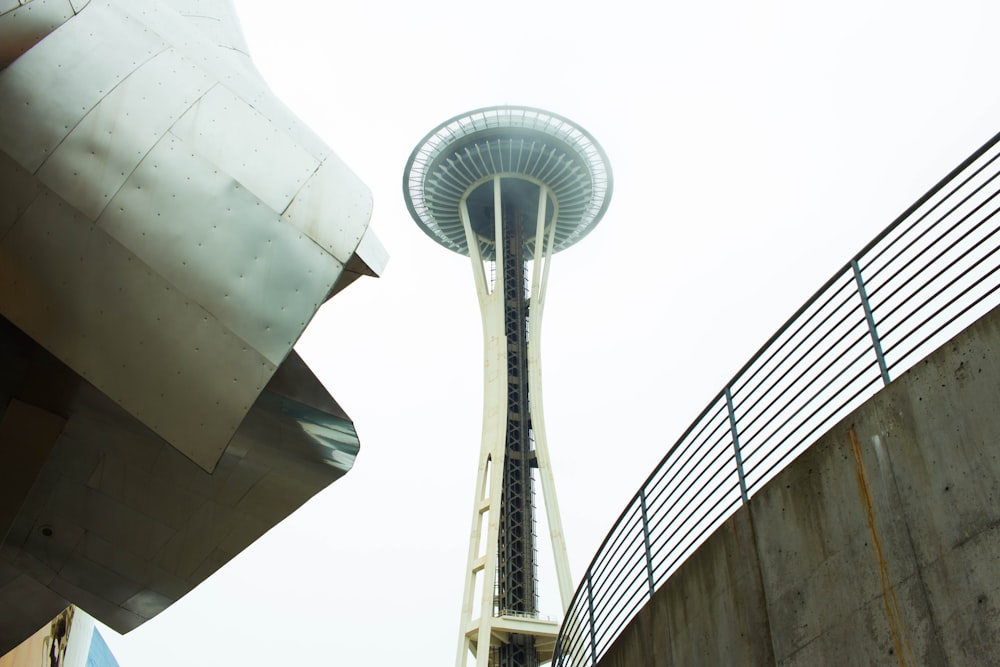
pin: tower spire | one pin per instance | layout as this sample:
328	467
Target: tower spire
509	186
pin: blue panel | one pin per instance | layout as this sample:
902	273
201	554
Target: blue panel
100	654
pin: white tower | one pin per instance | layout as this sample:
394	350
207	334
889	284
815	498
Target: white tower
508	187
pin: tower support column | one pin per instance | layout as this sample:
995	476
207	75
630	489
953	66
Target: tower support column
507	631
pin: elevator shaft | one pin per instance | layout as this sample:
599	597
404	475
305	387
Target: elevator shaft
516	570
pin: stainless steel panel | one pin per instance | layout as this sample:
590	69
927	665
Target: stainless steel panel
372	253
186	211
132	525
214	19
52	86
27	434
160	276
170	20
257	153
92	163
333	209
17	189
221	247
131	333
254	90
26	606
23	25
230	64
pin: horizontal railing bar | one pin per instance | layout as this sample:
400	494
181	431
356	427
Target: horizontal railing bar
766	475
701	536
679	484
654	498
680	540
874	258
944	288
944	307
941	254
703	499
859	337
949	322
847	367
739	382
798	359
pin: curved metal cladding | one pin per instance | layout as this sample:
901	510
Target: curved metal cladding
164	205
167	231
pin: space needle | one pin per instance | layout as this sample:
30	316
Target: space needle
509	186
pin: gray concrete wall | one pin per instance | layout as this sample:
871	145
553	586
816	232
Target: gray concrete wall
880	545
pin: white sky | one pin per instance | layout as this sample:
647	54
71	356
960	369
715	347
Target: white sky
756	146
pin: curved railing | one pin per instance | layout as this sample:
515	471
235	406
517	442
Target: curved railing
930	274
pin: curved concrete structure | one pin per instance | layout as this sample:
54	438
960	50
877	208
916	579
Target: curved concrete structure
879	545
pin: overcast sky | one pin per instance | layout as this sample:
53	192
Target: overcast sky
756	146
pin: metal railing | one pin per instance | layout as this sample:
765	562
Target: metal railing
934	271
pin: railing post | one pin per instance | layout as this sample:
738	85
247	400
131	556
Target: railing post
593	628
876	343
736	446
645	537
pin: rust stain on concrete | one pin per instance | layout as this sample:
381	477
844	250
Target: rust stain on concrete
901	642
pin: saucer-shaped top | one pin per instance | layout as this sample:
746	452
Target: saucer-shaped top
514	143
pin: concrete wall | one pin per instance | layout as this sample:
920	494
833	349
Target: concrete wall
880	545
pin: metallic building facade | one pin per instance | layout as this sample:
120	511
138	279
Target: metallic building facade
167	231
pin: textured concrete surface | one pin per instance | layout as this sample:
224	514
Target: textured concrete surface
879	545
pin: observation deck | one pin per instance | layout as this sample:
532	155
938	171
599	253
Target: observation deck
458	159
